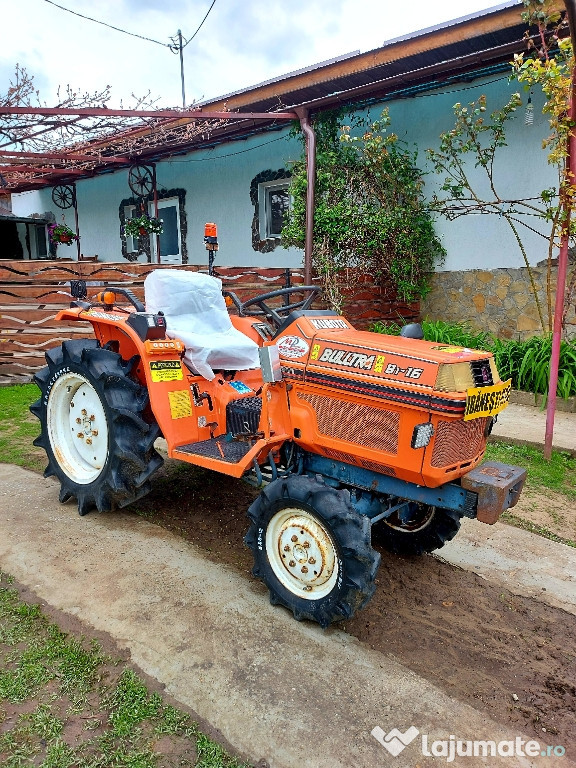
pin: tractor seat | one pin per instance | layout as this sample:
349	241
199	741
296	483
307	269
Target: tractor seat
196	314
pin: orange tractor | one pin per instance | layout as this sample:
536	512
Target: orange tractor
342	429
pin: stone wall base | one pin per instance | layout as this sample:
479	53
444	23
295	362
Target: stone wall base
500	300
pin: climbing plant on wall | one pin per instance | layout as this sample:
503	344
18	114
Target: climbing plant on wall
370	212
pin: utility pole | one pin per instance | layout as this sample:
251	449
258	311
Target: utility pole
178	47
182	68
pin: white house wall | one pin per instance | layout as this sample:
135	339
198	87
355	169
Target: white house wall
521	170
217	183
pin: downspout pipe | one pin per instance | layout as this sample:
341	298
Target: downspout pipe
563	255
310	135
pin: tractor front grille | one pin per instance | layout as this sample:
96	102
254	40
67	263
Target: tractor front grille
375	428
457	442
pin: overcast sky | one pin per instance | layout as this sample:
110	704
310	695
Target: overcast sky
240	44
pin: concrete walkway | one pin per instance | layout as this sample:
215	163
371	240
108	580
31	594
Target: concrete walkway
279	690
526	425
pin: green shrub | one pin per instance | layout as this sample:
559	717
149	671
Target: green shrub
526	362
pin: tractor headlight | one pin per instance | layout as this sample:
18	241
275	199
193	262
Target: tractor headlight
422	435
454	377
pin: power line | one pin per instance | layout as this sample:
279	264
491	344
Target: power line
220	157
200	25
110	26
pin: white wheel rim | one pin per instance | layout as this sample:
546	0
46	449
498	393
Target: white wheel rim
301	553
77	428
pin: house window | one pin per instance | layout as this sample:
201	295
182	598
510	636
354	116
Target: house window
270	196
274	200
41	241
170	243
131	242
172	211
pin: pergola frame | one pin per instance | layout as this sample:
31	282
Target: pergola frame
23	171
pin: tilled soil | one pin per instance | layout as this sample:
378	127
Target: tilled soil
512	656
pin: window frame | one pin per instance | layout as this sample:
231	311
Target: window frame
130	244
166	202
265	188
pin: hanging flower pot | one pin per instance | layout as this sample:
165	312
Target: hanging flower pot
143	225
61	233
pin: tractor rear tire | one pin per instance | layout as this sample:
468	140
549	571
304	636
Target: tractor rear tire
93	430
428	529
312	549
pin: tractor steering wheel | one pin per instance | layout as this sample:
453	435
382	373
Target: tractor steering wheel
277	315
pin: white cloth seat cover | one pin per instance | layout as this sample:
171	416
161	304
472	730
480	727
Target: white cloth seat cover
196	314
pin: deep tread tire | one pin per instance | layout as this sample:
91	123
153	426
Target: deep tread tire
128	454
356	563
441	527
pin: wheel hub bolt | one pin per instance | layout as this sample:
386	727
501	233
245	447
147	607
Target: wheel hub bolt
78	421
307	588
80	434
84	412
95	433
88	441
92	417
312	561
304	569
294	538
287	548
306	544
292	564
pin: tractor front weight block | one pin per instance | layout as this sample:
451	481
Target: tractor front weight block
498	487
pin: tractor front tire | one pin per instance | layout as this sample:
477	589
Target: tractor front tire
98	443
312	549
426	529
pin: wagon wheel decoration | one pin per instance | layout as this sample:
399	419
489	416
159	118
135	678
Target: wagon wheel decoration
64	196
141	180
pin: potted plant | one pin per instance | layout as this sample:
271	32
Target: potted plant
143	225
61	233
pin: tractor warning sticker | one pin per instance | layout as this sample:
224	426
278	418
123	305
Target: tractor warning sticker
292	347
487	401
180	406
166	370
458	351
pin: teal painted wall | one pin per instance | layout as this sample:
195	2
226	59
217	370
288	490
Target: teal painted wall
217	183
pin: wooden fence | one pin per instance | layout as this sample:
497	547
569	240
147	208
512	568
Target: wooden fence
32	292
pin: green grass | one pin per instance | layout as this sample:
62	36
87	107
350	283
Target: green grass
558	474
64	702
18	427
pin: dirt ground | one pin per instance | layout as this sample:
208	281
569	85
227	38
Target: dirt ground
511	656
549	510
